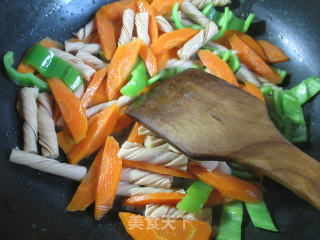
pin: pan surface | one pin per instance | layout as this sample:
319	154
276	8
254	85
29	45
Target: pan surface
32	204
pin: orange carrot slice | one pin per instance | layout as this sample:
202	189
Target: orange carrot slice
172	53
100	95
71	109
114	11
229	186
144	6
123	121
254	45
134	135
171	40
86	192
154	198
216	198
224	40
217	66
157	169
155	229
109	177
253	90
120	67
65	142
93	86
106	33
56	112
97	134
162	60
49	43
149	59
274	54
253	61
162	7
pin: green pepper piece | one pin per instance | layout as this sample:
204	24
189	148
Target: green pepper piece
207	9
282	73
244	175
225	23
306	89
48	65
138	80
231	221
266	89
102	57
23	79
177	20
260	216
234	23
197	195
234	63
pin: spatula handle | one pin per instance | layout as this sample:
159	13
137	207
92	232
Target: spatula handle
287	165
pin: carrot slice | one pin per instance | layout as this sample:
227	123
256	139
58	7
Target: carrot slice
274	54
228	185
123	121
106	33
157	169
253	90
121	66
86	192
216	198
71	109
97	134
162	60
217	66
141	228
171	40
134	136
224	40
114	11
93	86
162	7
144	6
65	142
49	43
172	54
109	177
100	95
253	61
154	198
149	59
254	45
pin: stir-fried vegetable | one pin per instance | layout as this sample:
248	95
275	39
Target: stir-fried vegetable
231	221
22	79
197	195
260	216
50	66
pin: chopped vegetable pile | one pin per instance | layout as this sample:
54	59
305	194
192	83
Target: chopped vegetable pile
75	96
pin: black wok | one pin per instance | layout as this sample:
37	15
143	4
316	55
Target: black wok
32	204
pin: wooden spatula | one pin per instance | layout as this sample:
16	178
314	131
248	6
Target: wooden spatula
206	118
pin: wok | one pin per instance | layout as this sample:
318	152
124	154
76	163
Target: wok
32	204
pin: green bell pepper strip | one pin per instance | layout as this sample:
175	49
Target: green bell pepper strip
306	89
248	22
138	80
177	20
234	23
230	222
260	216
282	73
48	65
224	26
23	79
266	89
207	9
234	63
197	195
